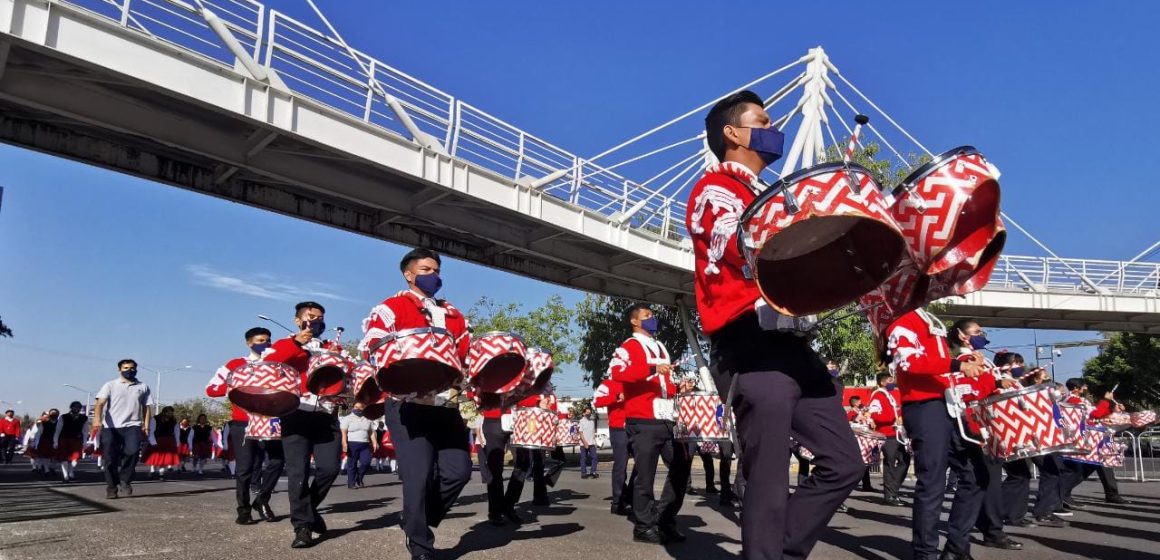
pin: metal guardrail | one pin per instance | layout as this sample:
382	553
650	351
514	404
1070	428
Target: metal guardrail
317	66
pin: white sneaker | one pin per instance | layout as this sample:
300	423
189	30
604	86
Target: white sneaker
1064	513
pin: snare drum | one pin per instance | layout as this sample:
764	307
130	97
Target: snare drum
568	432
416	361
847	238
496	362
534	428
1073	417
1117	421
869	443
1088	443
264	388
948	209
263	428
701	417
328	374
367	391
1024	423
1142	419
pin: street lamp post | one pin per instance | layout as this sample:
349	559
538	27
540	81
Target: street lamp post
157	399
88	397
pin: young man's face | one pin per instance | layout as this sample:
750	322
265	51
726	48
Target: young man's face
642	315
127	367
855	403
420	267
307	316
9	414
258	339
754	116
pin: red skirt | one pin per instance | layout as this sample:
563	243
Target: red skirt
202	450
183	449
384	452
44	449
164	454
70	450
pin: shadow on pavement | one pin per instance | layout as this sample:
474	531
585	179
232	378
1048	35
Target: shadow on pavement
30	503
1090	549
483	536
864	547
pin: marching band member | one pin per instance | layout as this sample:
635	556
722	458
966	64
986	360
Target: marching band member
1076	472
887	417
494	439
610	395
642	366
528	461
311	431
250	451
69	439
201	443
777	382
1017	486
183	431
922	361
162	452
429	434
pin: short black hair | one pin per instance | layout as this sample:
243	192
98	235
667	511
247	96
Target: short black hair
126	361
727	112
884	376
418	254
1075	383
630	313
307	305
959	326
9	410
854	398
256	331
76	404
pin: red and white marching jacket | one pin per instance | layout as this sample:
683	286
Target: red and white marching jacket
409	310
217	386
921	358
1101	410
634	365
10	428
288	351
884	411
606	397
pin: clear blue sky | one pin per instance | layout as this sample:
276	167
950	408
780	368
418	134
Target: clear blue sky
97	266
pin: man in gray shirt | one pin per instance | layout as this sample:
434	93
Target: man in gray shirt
123	407
588	445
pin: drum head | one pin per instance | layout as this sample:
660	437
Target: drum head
542	381
265	402
369	393
977	226
416	376
501	374
375	411
326	381
826	262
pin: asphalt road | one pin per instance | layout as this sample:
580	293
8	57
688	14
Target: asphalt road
192	518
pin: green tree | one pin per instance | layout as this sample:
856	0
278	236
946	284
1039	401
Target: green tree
549	326
846	338
218	412
887	170
601	318
4	330
1132	361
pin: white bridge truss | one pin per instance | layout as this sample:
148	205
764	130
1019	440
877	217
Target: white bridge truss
235	100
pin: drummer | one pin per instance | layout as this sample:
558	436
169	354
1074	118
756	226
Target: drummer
780	381
610	395
1017	486
1076	472
248	453
921	360
643	366
887	418
311	430
430	437
528	462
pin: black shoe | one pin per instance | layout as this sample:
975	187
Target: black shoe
842	509
265	512
690	491
594	475
583	476
1005	543
1051	520
649	536
893	502
1117	500
127	489
496	520
541	502
302	538
671	534
245	519
1026	522
1072	504
514	517
319	525
712	490
621	509
111	494
868	488
424	556
948	555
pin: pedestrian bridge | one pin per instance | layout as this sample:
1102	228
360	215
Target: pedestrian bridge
231	99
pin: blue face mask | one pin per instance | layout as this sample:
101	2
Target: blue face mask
429	283
129	374
260	348
356	412
768	143
317	328
835	372
1017	372
650	325
979	342
891	386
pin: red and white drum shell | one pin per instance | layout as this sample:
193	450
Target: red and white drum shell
1087	444
539	372
701	417
869	443
847	238
496	362
1117	421
1074	419
708	448
568	432
1112	453
948	209
264	428
265	388
328	375
416	361
367	391
1023	423
534	428
1142	419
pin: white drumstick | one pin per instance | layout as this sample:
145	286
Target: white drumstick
265	318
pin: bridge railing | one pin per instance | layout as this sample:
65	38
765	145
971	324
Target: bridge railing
319	67
1060	275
